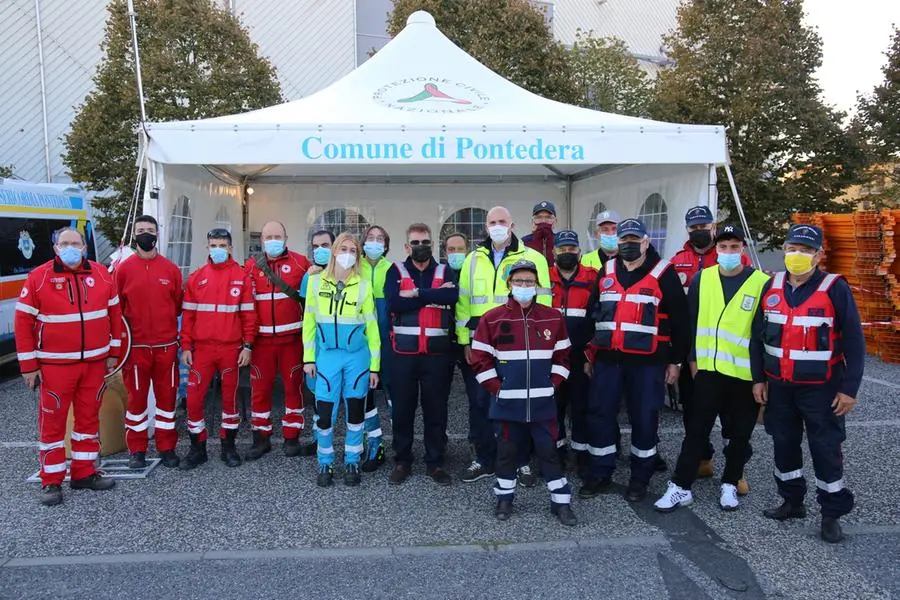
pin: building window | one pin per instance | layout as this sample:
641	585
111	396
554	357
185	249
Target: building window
467	221
181	235
546	8
592	239
655	217
223	221
337	221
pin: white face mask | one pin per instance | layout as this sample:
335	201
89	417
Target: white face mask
498	233
345	261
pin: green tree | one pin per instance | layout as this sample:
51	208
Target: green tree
877	122
510	37
749	65
197	62
6	170
607	77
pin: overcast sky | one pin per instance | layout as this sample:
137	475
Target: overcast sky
854	35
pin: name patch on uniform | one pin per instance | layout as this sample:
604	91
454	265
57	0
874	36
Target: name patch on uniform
57	280
816	312
505	339
164	282
772	301
748	302
203	282
607	283
325	294
646	291
237	282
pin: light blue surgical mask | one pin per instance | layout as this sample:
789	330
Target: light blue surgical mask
218	255
274	247
70	256
729	262
523	294
610	243
321	256
374	250
456	260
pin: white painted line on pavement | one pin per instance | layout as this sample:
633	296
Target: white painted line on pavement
895	386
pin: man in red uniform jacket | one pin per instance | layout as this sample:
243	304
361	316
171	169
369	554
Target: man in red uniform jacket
68	336
275	276
699	253
150	292
218	325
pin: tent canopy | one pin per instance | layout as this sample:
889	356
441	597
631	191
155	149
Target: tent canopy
423	109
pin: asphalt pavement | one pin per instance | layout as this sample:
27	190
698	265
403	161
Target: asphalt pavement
265	530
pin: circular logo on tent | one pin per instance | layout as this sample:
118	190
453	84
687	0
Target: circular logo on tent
435	95
772	301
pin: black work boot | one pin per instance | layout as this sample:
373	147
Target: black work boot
138	460
309	449
637	491
261	445
197	454
659	464
503	510
351	475
831	530
51	495
594	487
94	482
564	513
325	478
229	452
785	511
373	462
169	459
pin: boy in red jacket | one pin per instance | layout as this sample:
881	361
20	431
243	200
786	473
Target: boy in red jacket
150	293
219	325
520	354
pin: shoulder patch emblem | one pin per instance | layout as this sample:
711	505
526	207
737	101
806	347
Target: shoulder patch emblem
23	293
772	300
607	283
235	292
748	302
285	268
547	334
683	277
89	281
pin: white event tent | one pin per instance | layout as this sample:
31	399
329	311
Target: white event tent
421	132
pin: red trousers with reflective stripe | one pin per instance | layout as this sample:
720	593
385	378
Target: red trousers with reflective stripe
270	357
81	385
210	359
158	365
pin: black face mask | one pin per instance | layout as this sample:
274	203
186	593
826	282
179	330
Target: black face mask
630	251
700	238
567	261
145	241
420	254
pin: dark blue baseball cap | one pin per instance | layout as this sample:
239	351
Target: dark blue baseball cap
544	206
523	265
567	237
806	235
630	227
699	215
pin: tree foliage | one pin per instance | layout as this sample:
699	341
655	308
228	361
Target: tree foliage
877	122
510	37
749	65
6	170
197	62
607	77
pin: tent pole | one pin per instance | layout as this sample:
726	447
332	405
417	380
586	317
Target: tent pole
742	216
570	210
40	43
137	61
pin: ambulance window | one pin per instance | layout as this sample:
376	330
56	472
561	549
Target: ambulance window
337	221
181	235
593	240
467	221
655	217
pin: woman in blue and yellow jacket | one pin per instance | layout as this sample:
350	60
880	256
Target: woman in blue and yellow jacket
341	353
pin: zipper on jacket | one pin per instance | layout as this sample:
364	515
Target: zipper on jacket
527	368
274	324
80	314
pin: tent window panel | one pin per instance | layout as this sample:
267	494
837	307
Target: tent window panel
223	221
180	235
655	217
591	229
467	221
338	221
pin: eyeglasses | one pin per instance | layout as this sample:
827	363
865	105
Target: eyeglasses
219	233
524	282
420	242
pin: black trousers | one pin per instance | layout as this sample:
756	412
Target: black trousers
420	378
732	400
686	396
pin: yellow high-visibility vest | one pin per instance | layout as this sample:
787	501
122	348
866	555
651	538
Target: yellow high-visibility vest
723	332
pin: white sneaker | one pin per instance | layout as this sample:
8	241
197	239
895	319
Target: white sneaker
729	498
674	497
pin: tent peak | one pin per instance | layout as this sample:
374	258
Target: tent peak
421	17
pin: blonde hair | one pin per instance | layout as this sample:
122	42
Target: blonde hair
342	239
